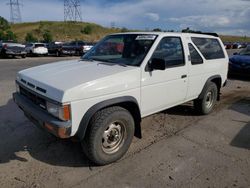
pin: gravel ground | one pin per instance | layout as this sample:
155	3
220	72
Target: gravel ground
178	148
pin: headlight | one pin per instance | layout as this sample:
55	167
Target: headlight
61	112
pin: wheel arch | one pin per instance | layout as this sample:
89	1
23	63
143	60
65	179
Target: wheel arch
127	102
215	79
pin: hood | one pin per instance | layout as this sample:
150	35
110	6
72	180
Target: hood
239	59
75	80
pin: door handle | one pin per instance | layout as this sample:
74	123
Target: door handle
183	76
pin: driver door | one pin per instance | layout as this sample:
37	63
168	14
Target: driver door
161	89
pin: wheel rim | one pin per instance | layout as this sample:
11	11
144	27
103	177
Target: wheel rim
113	137
209	99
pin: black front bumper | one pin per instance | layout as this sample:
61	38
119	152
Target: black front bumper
41	118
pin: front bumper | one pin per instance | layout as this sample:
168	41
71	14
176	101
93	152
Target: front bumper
41	118
15	53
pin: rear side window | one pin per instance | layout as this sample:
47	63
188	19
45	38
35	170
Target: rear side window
210	48
195	56
170	49
39	45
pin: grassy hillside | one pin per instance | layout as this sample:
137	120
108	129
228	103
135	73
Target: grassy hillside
67	31
235	38
61	31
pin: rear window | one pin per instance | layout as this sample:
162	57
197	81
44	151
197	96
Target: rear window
39	45
210	48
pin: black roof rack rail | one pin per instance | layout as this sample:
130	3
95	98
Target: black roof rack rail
204	33
212	34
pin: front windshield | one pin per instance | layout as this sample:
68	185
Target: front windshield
245	51
124	49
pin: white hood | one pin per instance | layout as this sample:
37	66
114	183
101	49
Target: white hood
75	80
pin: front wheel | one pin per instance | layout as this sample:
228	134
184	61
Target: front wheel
206	103
110	135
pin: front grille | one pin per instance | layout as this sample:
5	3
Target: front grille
33	98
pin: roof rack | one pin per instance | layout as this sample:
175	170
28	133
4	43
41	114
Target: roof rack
212	34
204	33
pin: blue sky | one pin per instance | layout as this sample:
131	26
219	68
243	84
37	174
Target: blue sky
222	16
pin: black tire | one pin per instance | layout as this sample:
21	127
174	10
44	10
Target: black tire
205	104
23	56
100	135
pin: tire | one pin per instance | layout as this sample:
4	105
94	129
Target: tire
23	56
110	134
206	103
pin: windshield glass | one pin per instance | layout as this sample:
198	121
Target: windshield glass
245	51
125	49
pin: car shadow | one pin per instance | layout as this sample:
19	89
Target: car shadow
239	77
186	109
242	106
242	139
21	139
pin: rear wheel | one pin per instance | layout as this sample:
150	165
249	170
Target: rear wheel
206	103
23	56
110	135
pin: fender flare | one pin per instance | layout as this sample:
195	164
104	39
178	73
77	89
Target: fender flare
119	101
206	84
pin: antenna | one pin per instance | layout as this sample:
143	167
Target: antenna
72	10
15	13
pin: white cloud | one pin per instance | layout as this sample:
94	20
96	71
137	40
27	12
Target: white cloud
202	21
209	15
153	16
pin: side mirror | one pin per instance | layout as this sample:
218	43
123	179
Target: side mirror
156	64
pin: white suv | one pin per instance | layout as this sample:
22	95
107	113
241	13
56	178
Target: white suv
36	49
102	97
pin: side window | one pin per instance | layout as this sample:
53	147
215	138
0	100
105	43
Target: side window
210	48
170	50
195	56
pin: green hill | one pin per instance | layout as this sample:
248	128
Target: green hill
67	31
62	31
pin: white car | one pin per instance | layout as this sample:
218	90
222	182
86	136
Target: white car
102	98
36	49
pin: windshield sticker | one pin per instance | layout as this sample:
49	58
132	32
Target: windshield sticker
145	37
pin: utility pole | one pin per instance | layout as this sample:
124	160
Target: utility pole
72	10
15	13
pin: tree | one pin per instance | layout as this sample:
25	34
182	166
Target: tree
2	35
124	29
10	36
30	38
47	37
188	30
87	30
4	24
157	29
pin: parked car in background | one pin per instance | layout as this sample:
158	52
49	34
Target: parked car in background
55	48
36	49
76	48
10	49
228	45
239	63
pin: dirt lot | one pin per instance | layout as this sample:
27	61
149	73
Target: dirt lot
178	149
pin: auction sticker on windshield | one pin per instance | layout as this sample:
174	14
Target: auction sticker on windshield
146	37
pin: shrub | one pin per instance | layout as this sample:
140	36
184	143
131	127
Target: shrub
47	37
30	38
87	30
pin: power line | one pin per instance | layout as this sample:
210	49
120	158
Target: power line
72	10
15	12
